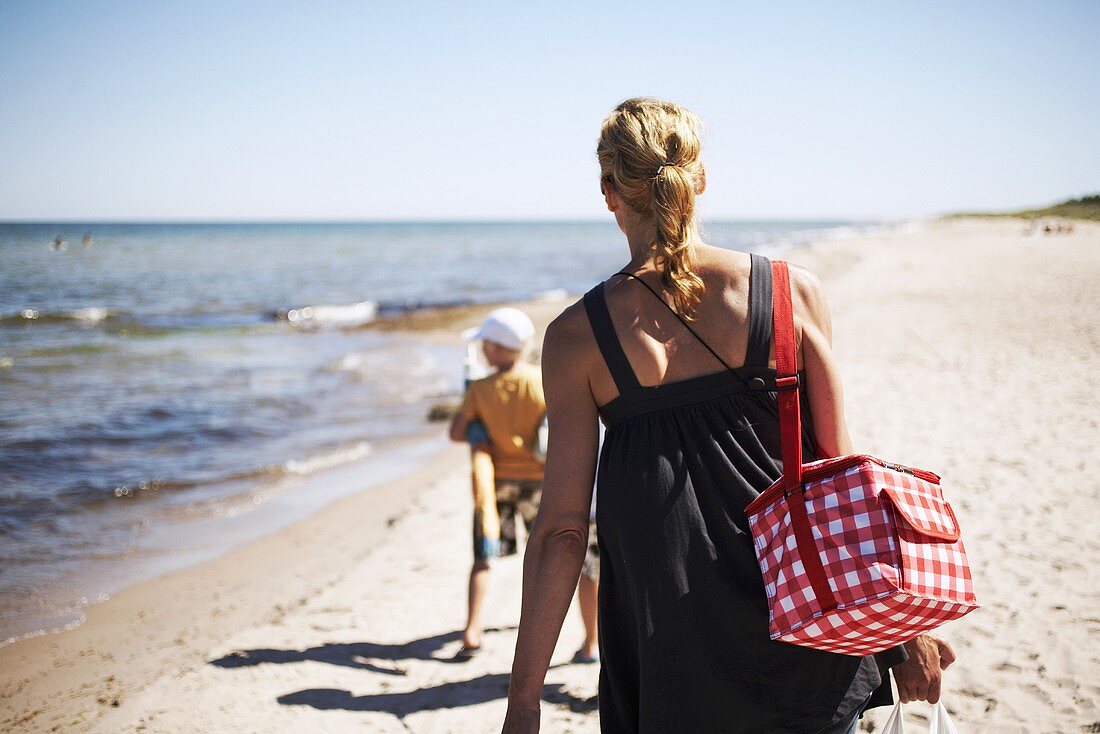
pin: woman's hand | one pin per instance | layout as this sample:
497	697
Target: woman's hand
918	678
521	720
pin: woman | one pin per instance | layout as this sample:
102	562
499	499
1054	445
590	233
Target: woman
674	354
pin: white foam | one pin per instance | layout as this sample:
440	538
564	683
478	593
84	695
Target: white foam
391	364
351	362
552	295
355	313
329	459
92	314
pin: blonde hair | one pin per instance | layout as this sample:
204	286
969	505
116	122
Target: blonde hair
649	150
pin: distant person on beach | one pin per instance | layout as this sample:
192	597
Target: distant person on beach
500	417
674	354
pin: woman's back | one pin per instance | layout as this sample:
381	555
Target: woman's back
683	621
659	347
692	437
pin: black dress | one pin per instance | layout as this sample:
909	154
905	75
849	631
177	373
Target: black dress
683	619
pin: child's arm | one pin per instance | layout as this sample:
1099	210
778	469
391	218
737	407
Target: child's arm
461	422
466	427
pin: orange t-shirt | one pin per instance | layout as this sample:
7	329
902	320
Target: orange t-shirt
511	406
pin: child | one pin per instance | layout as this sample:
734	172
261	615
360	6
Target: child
509	404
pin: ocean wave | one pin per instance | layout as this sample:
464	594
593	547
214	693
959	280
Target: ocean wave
78	618
207	316
149	487
132	323
92	314
399	377
551	295
386	366
403	306
350	314
293	467
89	315
328	459
774	243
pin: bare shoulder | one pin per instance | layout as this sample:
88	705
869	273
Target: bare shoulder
725	273
810	306
570	325
805	286
569	340
803	277
722	264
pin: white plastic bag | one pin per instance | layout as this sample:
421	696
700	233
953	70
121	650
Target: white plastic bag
896	723
941	721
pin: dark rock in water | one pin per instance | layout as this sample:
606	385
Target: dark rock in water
443	411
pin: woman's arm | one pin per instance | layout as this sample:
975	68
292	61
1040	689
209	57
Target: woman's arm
559	537
823	386
919	677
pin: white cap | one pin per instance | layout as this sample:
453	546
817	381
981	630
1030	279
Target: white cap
508	327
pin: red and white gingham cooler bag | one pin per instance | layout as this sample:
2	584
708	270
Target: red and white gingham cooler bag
858	554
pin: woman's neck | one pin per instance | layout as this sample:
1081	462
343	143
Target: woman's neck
641	239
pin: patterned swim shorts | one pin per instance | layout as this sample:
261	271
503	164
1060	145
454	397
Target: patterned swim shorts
515	497
591	567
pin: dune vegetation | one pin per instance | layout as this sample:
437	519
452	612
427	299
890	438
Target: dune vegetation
1087	207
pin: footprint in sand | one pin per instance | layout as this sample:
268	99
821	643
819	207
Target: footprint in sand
1007	667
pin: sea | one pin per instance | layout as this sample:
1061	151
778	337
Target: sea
171	390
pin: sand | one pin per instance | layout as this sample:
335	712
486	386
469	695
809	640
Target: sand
966	348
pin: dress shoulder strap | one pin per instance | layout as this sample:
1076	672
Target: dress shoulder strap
760	312
680	318
595	305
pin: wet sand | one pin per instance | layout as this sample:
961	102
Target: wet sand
966	348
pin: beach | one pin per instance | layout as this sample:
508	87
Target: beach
966	346
178	389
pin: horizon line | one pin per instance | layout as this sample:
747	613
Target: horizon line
427	221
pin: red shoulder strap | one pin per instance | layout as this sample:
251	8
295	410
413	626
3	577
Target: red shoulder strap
790	433
786	375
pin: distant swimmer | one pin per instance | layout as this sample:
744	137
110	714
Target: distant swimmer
87	241
59	243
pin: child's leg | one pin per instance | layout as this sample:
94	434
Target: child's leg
479	585
486	543
588	597
587	593
479	574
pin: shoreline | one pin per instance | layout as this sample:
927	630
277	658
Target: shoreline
197	586
343	620
263	503
272	568
175	545
435	324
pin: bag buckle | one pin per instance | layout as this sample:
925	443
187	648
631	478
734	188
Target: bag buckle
787	383
799	489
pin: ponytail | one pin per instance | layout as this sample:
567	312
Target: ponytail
674	215
649	149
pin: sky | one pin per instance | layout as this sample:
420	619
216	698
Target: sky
471	111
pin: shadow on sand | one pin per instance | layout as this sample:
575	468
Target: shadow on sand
444	696
374	657
362	655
